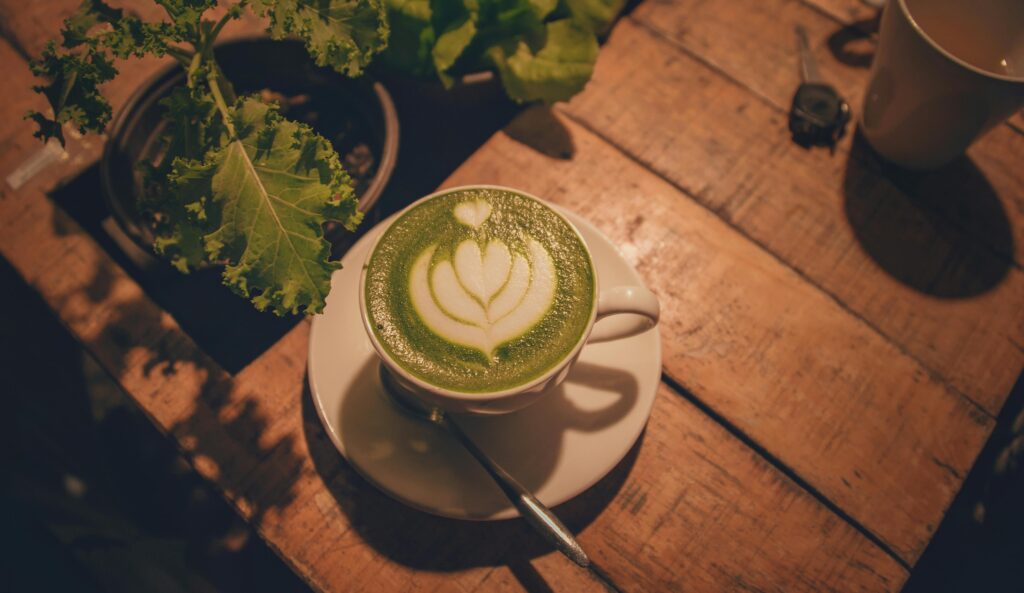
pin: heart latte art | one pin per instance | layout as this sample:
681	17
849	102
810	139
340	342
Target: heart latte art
483	298
479	290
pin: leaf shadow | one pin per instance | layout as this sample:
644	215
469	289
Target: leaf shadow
219	426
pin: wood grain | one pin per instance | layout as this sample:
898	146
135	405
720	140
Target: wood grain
859	15
864	424
684	491
702	510
753	43
844	11
845	223
698	508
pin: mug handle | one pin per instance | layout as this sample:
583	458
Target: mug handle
639	302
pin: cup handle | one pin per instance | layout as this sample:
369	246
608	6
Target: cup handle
639	302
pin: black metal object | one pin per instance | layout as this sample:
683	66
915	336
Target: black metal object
818	115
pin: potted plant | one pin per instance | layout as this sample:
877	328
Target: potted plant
236	184
356	115
231	181
541	50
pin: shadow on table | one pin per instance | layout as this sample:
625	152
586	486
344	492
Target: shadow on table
427	542
374	432
99	500
133	341
980	543
943	233
223	325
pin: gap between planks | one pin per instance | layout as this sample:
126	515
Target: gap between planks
768	102
932	373
801	206
946	356
857	9
681	391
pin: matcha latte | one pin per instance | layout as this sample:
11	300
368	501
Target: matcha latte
479	290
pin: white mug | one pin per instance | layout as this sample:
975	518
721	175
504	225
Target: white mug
635	300
945	72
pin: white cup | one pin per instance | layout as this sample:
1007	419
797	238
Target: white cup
635	300
937	81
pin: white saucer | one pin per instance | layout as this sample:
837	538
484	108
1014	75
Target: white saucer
557	447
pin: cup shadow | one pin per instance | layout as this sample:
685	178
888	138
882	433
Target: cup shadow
424	541
601	414
539	129
943	233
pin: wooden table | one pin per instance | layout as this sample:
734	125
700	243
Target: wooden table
838	335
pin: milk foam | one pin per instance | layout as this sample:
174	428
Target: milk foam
479	290
482	298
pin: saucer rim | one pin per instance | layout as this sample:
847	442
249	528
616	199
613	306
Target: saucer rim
584	227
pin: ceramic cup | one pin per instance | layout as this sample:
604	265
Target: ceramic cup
945	72
638	306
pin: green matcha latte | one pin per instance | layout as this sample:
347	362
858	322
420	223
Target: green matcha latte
479	290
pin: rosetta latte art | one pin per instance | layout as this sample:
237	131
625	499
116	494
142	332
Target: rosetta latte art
482	297
478	290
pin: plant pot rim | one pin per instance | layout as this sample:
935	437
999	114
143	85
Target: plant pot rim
171	75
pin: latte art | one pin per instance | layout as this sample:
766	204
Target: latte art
483	299
479	290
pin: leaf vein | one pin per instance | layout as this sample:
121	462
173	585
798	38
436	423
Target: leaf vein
263	191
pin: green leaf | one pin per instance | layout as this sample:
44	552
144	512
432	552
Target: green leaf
89	14
270	189
412	36
510	21
342	34
76	70
195	126
123	36
556	72
182	218
73	91
542	8
597	14
186	12
132	37
177	200
450	46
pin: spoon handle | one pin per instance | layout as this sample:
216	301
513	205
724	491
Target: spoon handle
534	511
540	517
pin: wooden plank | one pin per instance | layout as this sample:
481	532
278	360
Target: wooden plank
1017	122
691	487
844	11
29	25
233	437
253	437
249	437
939	295
863	423
753	43
703	499
859	15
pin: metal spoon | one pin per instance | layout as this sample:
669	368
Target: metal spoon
537	515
